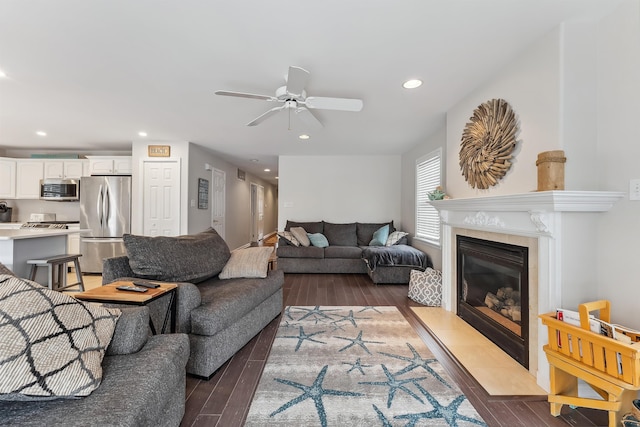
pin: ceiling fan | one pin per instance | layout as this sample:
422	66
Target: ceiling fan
294	99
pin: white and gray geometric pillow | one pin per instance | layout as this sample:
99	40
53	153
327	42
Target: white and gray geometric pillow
289	237
425	287
395	237
51	345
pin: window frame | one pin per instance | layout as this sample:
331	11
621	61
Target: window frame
421	204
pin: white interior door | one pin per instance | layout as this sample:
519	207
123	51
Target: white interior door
161	198
218	208
257	212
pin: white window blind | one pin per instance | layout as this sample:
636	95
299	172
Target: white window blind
428	173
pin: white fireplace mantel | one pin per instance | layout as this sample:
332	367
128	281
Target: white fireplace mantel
537	217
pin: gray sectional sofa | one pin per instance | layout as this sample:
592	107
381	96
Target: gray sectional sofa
219	316
348	252
143	384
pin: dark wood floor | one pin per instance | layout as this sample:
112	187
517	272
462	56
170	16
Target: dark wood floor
224	400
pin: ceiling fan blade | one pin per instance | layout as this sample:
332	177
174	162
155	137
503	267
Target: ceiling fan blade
265	116
296	80
308	118
342	104
245	95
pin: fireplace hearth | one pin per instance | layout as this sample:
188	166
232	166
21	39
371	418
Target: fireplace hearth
492	289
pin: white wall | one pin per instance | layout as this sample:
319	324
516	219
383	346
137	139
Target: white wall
339	189
530	84
619	159
408	196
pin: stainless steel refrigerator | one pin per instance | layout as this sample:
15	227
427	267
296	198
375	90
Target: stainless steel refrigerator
105	214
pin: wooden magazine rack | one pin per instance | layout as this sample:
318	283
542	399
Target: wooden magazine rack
609	366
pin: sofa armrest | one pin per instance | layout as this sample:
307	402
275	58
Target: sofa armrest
188	299
115	268
131	331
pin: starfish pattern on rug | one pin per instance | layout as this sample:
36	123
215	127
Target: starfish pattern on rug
349	318
370	307
417	362
314	392
357	365
316	312
395	384
302	336
449	412
358	341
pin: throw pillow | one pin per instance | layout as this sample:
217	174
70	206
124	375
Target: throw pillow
289	238
249	262
301	235
380	236
51	345
425	287
395	237
190	258
318	239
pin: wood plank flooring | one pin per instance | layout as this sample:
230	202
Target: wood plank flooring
224	400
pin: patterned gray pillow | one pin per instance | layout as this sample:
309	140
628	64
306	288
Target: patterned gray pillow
425	287
190	258
51	345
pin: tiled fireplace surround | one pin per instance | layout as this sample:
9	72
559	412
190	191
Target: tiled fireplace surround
556	226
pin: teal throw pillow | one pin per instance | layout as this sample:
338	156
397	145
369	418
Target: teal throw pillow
318	239
380	236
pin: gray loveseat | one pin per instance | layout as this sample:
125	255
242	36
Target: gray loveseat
143	384
219	316
348	252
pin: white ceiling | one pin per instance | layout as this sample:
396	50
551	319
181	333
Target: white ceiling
94	73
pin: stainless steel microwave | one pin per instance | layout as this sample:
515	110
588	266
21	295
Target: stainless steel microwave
60	189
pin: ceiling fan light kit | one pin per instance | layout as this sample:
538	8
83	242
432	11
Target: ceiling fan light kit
293	97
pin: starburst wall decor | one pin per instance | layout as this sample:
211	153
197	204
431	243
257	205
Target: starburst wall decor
488	141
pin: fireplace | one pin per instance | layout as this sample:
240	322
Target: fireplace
493	292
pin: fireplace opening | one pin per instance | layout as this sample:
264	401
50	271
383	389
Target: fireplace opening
493	290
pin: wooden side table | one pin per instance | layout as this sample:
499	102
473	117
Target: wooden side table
109	294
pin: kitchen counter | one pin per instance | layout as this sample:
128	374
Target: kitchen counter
33	233
18	246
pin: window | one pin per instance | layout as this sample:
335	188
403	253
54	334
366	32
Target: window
428	173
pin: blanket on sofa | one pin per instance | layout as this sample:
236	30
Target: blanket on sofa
396	255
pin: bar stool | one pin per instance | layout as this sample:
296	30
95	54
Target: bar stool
57	271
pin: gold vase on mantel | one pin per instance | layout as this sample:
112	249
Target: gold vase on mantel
551	170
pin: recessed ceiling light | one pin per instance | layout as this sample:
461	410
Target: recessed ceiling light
254	160
304	136
412	84
2	74
267	170
142	134
41	133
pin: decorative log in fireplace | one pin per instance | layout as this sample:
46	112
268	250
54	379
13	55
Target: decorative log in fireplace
493	289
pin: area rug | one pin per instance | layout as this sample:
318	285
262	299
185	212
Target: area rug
354	366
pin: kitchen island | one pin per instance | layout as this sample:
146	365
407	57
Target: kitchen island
18	246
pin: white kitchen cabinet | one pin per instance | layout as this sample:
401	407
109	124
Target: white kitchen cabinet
28	175
7	179
110	165
63	169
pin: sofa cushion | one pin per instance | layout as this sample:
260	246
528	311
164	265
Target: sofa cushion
396	238
288	238
310	227
380	236
301	236
226	301
190	258
365	231
353	252
300	252
341	234
131	331
51	345
248	262
318	240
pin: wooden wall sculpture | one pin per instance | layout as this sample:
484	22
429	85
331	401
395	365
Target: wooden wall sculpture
487	143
